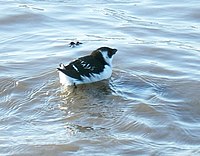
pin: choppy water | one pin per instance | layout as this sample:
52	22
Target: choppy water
150	106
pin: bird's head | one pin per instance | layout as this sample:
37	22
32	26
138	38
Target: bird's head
105	52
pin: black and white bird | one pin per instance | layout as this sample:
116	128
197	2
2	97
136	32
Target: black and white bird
91	68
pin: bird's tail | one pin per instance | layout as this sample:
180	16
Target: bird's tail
61	68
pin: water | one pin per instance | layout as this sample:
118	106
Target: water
151	104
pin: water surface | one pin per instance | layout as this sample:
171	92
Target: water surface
151	104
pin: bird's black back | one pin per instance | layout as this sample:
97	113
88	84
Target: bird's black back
85	66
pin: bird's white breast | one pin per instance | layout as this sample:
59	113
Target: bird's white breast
107	72
68	81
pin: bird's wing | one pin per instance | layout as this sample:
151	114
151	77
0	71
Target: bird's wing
87	65
84	66
70	71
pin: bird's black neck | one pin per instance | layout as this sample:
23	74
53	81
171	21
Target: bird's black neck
98	56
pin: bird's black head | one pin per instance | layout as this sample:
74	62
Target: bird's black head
105	53
109	51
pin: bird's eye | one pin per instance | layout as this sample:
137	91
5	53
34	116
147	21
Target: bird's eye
109	54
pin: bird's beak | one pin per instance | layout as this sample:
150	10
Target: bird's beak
114	51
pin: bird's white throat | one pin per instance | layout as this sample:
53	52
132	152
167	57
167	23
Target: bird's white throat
106	58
